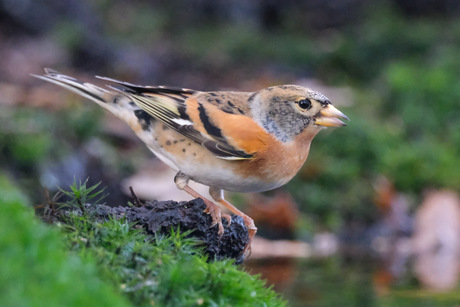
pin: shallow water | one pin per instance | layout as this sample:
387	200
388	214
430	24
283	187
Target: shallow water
352	280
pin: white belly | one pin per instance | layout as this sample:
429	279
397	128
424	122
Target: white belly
218	177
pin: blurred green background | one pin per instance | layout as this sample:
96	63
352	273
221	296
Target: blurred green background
392	66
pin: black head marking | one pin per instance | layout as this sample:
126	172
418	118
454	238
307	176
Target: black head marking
320	98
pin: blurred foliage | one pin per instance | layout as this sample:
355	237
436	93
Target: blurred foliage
428	93
29	135
23	136
404	123
32	139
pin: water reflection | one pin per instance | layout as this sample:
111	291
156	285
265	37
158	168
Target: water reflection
394	269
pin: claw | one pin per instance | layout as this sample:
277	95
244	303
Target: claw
248	222
228	218
252	229
215	212
212	209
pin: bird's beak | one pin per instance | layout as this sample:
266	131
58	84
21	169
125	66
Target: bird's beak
329	117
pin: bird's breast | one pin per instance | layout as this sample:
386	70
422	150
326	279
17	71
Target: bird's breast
270	168
275	166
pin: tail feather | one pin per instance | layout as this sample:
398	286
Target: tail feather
95	93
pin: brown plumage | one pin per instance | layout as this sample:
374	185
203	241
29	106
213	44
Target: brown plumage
238	141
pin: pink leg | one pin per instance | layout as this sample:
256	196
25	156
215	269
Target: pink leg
217	195
212	209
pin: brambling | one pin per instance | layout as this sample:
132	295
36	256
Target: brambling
235	141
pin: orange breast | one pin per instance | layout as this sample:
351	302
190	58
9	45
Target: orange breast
277	161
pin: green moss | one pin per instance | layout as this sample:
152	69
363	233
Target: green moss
165	271
36	269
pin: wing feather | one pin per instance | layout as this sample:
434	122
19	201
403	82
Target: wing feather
169	106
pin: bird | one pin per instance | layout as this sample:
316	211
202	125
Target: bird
226	140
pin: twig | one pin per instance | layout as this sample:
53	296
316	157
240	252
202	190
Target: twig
136	200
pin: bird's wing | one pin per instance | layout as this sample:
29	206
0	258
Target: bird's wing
188	112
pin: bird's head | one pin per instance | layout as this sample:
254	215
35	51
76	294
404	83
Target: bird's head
287	111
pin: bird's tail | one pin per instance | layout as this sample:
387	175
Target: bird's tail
105	98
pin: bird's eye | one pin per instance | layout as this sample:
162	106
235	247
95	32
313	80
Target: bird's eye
304	104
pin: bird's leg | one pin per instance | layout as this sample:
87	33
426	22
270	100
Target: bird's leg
218	195
212	209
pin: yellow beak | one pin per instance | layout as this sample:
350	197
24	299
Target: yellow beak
329	117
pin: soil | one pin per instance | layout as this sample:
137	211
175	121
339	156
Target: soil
159	217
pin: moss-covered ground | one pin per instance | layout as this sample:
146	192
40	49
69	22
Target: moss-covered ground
82	262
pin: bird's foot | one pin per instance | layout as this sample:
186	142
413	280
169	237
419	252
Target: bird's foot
252	230
216	214
228	217
217	194
212	209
